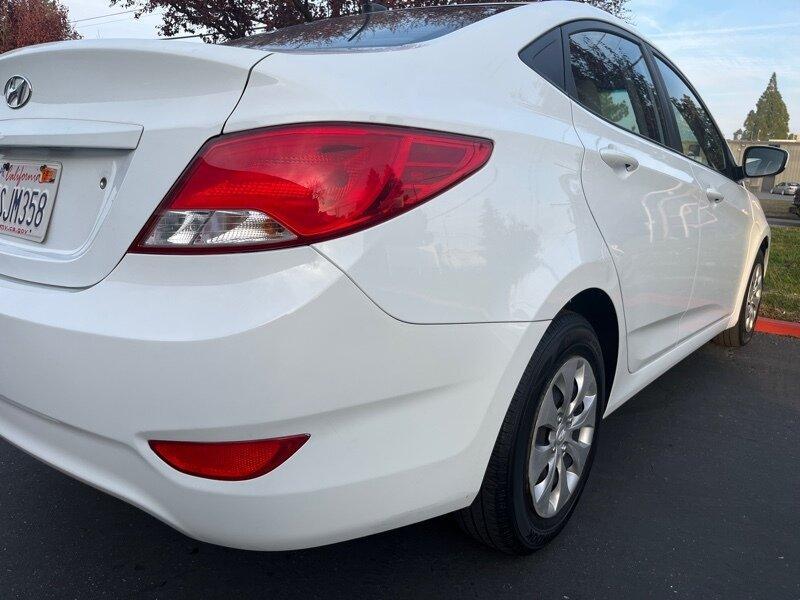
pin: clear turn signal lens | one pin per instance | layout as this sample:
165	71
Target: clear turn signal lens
205	228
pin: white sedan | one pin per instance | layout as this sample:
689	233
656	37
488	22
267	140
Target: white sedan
350	275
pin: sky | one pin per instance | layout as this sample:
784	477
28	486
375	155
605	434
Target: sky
727	48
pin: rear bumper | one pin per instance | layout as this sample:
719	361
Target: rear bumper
402	417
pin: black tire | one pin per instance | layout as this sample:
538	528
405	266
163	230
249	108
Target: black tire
738	335
502	515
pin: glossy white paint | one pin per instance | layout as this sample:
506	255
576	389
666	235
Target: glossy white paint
726	226
649	220
508	244
72	133
145	354
95	95
397	348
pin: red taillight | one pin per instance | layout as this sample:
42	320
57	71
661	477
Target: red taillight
300	184
229	461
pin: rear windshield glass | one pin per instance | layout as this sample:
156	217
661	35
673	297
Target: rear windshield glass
372	30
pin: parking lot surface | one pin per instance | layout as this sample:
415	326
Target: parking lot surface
771	196
778	209
694	494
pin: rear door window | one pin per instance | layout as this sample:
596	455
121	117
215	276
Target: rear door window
611	79
383	29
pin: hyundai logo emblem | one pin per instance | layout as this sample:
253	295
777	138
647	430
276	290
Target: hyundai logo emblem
17	91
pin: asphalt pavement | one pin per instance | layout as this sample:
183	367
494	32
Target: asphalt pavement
783	222
695	493
770	196
789	220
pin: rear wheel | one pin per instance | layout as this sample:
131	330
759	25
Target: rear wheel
546	445
741	333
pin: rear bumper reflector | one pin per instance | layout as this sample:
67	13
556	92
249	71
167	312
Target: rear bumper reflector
228	461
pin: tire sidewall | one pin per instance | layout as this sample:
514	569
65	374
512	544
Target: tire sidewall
579	339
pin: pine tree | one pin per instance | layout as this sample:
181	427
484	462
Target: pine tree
770	119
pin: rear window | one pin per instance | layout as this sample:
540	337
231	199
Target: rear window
383	29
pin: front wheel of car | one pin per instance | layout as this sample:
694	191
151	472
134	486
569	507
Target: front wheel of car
741	333
544	452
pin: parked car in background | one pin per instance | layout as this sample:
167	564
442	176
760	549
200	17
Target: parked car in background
350	275
786	188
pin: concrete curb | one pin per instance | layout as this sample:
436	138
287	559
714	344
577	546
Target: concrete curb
778	327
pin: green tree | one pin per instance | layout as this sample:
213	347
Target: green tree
770	119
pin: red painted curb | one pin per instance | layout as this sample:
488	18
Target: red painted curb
778	327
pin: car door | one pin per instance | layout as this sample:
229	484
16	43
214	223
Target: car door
724	211
642	194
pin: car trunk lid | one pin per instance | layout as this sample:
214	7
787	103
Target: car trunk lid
120	120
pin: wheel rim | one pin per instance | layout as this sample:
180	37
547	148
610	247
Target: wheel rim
754	291
562	436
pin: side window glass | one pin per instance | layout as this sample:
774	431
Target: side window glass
699	138
546	57
612	79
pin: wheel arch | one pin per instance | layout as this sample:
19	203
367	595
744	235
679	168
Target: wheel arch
764	247
759	242
597	307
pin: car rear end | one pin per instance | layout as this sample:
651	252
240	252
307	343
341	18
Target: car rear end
174	348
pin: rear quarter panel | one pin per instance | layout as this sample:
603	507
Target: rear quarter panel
515	241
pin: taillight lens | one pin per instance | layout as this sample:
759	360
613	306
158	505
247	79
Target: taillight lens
228	461
300	184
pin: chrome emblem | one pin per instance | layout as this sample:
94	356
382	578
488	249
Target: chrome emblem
17	91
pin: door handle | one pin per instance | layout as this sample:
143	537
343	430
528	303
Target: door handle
714	196
618	160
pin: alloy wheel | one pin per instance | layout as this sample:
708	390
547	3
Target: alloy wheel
562	436
754	292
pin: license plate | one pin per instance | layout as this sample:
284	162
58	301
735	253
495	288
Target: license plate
27	194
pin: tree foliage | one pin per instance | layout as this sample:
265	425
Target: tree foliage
28	22
219	20
770	119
